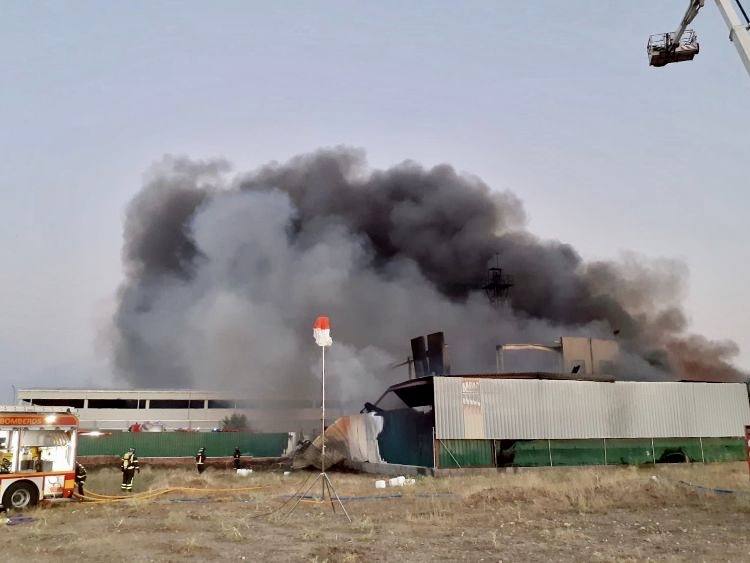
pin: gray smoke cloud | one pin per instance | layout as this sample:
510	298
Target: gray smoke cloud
224	276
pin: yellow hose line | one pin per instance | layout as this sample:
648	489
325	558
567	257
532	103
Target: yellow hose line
92	494
97	498
229	489
106	501
89	494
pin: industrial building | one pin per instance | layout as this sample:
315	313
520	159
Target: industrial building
574	413
162	409
542	419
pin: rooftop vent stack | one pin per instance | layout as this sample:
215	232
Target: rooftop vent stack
419	355
436	353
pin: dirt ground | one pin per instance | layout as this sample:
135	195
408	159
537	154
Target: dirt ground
605	514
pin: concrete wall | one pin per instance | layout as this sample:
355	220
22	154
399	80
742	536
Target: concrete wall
576	350
604	353
595	354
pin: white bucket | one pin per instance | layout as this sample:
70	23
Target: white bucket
380	484
397	481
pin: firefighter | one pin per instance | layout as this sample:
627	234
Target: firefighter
129	466
236	455
80	477
200	460
36	459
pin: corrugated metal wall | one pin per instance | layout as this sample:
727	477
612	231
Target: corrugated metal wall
540	453
467	408
184	444
629	451
406	438
465	453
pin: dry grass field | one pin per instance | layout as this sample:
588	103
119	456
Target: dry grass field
601	514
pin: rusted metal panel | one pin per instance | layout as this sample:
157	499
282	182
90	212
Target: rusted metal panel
539	409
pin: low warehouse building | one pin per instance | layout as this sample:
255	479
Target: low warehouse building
543	419
173	409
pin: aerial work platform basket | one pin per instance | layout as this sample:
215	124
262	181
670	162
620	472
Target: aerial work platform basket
662	49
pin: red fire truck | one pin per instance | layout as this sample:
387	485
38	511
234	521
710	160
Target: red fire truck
37	454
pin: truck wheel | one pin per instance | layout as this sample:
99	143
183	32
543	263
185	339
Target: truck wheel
20	495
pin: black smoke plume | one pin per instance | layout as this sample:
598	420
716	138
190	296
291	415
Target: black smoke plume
225	275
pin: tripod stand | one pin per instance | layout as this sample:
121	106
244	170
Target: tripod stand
325	481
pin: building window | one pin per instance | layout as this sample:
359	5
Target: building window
113	403
219	404
76	403
169	404
197	403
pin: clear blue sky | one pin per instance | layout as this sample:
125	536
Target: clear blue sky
554	100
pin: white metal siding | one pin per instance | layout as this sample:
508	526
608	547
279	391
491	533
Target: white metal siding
549	409
449	412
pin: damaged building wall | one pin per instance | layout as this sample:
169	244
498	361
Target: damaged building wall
353	437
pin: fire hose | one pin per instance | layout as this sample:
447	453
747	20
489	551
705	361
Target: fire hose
97	498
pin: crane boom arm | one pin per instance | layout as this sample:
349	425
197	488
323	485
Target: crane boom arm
739	33
690	13
682	44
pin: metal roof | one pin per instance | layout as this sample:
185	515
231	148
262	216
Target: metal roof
37	408
481	408
154	393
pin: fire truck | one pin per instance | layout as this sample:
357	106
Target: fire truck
37	454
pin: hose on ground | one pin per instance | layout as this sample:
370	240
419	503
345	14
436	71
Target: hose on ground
97	498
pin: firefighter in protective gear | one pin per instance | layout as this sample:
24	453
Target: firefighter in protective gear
236	458
80	477
129	466
200	460
36	459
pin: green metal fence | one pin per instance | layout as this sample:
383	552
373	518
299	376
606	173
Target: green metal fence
184	444
538	453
